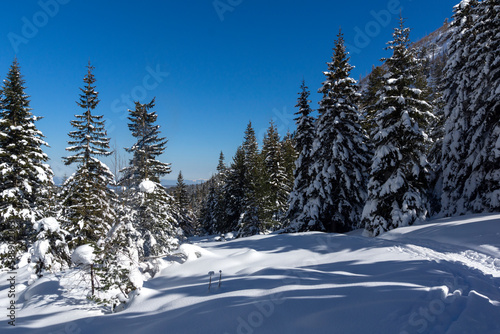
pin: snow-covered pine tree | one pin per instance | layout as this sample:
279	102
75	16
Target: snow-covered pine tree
471	149
153	211
398	185
370	98
234	191
340	153
436	132
116	268
456	96
147	148
25	179
214	208
208	217
50	251
181	196
185	217
485	179
87	201
249	223
289	155
220	180
221	166
155	218
275	191
304	137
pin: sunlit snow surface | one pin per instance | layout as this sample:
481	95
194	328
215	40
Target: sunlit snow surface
439	277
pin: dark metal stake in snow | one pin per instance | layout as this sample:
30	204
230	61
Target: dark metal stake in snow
220	276
211	273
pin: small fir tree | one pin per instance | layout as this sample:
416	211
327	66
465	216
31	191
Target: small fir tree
50	251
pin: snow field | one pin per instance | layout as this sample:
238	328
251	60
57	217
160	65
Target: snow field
439	277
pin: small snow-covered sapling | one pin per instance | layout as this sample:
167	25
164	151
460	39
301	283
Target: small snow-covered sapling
211	273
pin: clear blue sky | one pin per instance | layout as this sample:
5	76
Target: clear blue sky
212	65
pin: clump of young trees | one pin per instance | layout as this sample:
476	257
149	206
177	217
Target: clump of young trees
45	225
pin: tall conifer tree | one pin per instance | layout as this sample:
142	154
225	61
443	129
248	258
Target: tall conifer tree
340	153
304	137
471	151
235	190
275	190
153	211
87	200
398	185
25	178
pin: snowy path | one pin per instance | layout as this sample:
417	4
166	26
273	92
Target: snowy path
440	277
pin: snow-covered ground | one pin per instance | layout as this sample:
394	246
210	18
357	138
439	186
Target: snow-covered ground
439	277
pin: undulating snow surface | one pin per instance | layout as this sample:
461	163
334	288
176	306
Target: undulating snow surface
439	277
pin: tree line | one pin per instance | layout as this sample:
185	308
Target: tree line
419	139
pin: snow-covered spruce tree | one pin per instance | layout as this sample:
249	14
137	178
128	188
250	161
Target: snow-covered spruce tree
208	217
249	223
436	132
50	251
370	98
155	218
275	191
290	155
185	217
221	165
398	185
25	179
457	97
220	212
87	201
214	209
181	196
340	153
483	187
148	147
153	210
116	267
304	137
471	150
234	191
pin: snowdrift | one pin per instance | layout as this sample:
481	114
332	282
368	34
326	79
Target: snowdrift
439	277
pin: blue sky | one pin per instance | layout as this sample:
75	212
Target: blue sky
212	65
